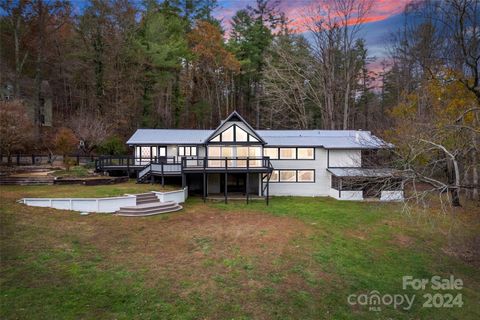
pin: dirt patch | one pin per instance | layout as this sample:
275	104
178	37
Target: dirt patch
467	250
402	240
357	234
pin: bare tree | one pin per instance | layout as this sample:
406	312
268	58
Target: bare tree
90	129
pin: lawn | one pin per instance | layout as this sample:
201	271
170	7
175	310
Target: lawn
299	258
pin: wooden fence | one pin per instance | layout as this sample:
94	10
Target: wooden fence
42	159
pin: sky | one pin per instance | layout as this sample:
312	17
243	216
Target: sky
384	18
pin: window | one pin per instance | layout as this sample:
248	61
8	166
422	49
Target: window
214	152
241	135
305	153
252	138
274	176
146	152
162	151
227	135
306	175
287	176
187	151
271	152
288	153
234	133
295	176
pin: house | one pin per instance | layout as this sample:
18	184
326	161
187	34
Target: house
237	160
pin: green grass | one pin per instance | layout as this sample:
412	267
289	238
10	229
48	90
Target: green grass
79	191
299	258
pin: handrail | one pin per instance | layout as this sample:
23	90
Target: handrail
185	162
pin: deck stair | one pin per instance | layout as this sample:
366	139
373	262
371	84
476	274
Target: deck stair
148	205
148	197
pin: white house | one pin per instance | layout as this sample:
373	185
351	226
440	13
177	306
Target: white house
235	159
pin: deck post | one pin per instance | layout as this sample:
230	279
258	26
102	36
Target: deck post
268	189
226	188
226	180
163	177
204	186
339	187
247	182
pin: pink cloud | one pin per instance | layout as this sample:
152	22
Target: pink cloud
297	10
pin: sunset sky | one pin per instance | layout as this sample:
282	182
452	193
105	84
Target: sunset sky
385	17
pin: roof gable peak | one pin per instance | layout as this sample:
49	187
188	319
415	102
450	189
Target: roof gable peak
235	117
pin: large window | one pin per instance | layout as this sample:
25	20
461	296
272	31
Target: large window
289	176
305	175
187	151
271	152
276	153
234	134
305	154
288	153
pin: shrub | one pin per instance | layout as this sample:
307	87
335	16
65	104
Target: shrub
112	146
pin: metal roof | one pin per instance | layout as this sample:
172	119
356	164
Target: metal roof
329	139
169	136
363	172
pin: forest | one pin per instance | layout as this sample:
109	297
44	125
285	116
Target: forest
91	74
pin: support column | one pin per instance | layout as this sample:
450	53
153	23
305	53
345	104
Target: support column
225	188
163	177
247	186
204	186
268	190
184	180
339	187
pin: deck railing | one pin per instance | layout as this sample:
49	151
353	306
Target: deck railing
225	162
106	162
172	164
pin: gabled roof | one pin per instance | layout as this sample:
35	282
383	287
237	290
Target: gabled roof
234	116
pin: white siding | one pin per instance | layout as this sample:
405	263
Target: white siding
345	158
320	187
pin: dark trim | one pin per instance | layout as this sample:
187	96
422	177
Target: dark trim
296	176
234	126
296	153
187	155
228	119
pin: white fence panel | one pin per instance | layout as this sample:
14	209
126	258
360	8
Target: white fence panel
83	204
178	196
396	195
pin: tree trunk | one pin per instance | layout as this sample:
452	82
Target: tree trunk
453	178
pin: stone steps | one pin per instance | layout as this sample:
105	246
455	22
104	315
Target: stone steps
144	198
149	209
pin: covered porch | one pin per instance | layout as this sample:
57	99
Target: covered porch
229	185
359	184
